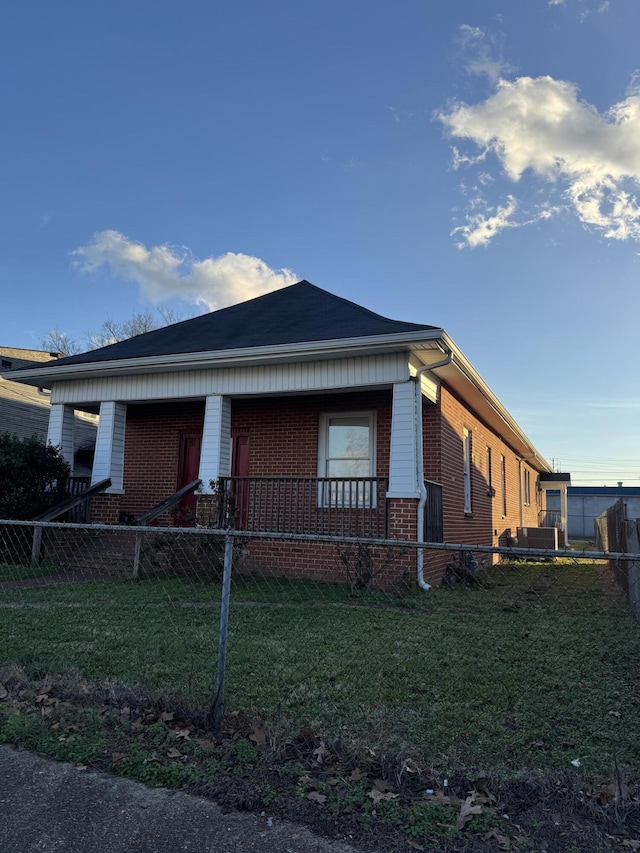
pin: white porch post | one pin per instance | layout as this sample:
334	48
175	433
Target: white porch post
60	432
215	455
109	456
403	465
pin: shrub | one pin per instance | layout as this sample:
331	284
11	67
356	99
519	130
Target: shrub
32	476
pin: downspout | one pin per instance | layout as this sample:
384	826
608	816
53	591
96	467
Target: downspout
420	463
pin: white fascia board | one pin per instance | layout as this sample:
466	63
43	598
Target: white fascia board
340	347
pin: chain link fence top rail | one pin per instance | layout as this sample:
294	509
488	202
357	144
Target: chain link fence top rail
514	658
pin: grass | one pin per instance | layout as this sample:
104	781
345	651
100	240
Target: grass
10	572
536	669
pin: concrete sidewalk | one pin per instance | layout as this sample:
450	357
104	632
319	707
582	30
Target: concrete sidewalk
48	806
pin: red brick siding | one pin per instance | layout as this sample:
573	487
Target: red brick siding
486	515
283	431
151	454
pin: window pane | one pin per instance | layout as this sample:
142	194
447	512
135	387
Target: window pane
348	468
349	438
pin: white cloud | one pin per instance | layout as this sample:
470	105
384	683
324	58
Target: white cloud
481	52
164	272
481	228
540	126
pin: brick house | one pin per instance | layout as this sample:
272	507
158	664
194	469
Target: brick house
314	414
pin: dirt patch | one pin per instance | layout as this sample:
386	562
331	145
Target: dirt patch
376	803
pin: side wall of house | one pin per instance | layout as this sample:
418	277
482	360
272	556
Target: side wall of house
487	523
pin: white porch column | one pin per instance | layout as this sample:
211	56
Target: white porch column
215	455
403	465
109	456
60	432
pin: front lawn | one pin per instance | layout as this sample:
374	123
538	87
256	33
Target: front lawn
538	670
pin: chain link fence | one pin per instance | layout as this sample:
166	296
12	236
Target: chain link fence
513	657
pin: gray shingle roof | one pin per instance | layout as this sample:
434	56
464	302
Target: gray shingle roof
296	314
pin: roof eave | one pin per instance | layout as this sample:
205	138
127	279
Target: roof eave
337	348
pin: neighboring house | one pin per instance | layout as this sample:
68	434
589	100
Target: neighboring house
585	503
25	409
315	415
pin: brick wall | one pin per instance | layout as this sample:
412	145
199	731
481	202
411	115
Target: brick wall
151	453
487	523
283	431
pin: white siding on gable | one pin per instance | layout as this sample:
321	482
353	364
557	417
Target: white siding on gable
361	371
109	456
61	430
403	467
215	456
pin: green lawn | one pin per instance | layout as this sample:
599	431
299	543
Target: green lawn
536	670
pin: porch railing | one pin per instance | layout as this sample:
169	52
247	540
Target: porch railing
549	518
313	505
433	523
79	514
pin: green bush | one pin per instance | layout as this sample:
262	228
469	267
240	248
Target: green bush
32	476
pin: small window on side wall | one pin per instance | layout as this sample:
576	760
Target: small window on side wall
466	455
346	458
527	487
503	484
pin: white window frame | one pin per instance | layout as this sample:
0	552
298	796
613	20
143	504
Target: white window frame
503	484
325	498
466	463
526	476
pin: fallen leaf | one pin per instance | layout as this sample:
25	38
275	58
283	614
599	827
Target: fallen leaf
355	775
167	716
415	844
377	796
181	734
236	723
118	756
616	714
504	842
321	754
258	733
174	753
3	691
467	810
81	766
316	797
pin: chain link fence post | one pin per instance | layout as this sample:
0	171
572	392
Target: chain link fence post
218	705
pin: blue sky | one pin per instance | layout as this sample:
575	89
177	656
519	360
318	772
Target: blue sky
470	165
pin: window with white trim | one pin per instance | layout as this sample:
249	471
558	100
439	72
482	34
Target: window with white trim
346	455
466	456
503	484
526	486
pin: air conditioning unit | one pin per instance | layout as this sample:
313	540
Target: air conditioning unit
545	538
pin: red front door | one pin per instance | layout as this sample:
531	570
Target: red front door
240	468
188	467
